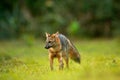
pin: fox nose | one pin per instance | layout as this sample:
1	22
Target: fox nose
46	47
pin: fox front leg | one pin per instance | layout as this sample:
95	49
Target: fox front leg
51	62
61	64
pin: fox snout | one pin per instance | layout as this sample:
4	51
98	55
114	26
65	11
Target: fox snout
47	47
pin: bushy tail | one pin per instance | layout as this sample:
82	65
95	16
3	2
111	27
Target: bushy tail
76	58
73	52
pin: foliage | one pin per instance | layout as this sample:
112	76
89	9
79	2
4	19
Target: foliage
73	28
94	18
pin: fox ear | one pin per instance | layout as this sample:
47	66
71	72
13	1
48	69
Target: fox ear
47	34
57	33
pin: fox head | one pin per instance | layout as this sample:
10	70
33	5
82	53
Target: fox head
51	40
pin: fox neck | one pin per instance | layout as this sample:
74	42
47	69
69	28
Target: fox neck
57	47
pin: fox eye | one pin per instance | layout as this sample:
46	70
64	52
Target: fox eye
49	41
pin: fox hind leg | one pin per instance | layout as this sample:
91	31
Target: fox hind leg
66	61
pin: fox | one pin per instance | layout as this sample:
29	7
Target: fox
59	46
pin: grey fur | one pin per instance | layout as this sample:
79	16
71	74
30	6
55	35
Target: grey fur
66	45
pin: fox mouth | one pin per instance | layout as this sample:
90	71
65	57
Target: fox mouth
47	47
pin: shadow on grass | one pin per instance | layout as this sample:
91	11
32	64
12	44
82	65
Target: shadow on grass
4	57
7	62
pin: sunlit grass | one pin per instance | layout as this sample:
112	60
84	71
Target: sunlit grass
100	60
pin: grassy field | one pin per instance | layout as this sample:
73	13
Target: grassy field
100	60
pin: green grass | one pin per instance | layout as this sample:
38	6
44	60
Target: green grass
100	60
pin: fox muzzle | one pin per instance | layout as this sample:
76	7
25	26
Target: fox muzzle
47	47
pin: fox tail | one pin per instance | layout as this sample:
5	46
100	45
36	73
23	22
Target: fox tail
76	58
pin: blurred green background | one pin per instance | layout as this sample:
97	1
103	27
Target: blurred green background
92	25
77	18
